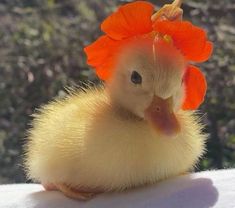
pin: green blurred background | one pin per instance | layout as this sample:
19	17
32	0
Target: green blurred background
41	52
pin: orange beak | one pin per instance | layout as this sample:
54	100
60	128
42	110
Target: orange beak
161	117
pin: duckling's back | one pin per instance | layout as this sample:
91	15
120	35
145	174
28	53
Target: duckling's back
57	135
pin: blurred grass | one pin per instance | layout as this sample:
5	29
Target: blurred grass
41	52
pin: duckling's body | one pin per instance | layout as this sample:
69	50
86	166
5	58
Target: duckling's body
139	128
87	142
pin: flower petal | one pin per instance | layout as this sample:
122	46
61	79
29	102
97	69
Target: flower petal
98	51
129	20
191	40
104	71
195	88
100	55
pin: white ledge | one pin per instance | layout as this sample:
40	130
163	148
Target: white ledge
198	190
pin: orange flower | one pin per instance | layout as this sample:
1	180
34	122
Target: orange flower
189	39
129	20
195	88
100	56
132	22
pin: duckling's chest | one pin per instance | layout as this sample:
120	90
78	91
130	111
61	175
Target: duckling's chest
129	146
119	154
130	155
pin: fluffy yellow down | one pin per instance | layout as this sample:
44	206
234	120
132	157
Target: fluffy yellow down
84	141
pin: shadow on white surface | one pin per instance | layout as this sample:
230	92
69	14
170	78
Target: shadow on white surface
185	192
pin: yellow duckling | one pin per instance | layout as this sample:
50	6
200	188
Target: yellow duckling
129	133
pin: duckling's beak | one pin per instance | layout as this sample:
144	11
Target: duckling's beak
161	117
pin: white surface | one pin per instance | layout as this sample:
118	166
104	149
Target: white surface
200	190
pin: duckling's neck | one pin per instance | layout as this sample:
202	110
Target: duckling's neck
119	110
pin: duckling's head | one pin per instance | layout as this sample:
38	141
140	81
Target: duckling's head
148	82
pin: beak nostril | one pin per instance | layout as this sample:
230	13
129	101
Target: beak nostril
158	109
161	117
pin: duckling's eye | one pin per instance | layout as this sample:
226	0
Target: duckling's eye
136	77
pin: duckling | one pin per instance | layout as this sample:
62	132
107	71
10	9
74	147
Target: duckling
130	132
